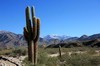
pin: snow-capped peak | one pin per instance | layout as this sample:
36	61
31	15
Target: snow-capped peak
55	36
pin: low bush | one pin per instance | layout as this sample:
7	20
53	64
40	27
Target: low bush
20	51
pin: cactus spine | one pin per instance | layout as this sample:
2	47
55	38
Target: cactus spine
31	34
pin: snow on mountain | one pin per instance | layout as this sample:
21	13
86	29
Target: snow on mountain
54	36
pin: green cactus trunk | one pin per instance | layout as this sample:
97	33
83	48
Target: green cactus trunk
31	34
31	52
36	52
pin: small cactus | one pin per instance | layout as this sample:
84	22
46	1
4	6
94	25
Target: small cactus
31	34
59	51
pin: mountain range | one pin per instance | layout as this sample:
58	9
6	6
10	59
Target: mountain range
10	40
54	36
89	43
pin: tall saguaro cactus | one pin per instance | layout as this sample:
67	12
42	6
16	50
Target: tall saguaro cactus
31	34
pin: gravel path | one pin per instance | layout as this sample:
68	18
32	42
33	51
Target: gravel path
55	55
6	63
70	53
11	61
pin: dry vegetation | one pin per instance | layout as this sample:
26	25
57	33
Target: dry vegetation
76	56
79	56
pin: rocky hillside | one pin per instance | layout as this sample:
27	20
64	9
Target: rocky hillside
10	40
90	43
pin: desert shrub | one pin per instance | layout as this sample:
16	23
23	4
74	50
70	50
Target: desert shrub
19	51
5	52
82	60
95	60
52	61
78	60
42	57
26	62
64	57
51	50
13	51
91	52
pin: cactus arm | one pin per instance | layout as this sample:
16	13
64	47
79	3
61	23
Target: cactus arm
25	33
35	41
28	21
33	11
34	21
38	30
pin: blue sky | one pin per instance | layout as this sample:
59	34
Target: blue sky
62	17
